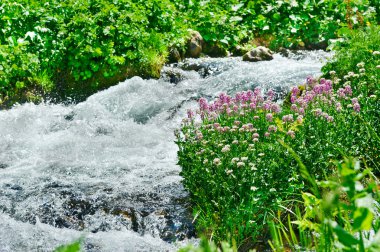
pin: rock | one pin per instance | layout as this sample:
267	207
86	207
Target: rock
239	51
195	45
258	54
174	55
215	50
284	52
172	75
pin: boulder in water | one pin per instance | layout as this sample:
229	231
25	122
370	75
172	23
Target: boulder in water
215	50
175	55
260	53
195	45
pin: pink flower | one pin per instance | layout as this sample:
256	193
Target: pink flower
269	117
338	106
341	93
357	107
293	99
318	112
310	80
270	94
203	105
348	90
291	133
288	118
272	128
266	105
190	113
275	108
295	91
300	119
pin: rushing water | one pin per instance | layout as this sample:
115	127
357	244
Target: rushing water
105	169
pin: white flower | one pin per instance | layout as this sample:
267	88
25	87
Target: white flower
240	164
244	159
360	65
226	148
254	188
234	160
216	161
272	190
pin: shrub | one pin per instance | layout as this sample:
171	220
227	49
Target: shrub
283	23
342	217
78	40
236	161
356	63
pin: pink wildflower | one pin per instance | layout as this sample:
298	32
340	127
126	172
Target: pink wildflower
291	133
269	117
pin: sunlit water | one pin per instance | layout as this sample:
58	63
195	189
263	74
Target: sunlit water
105	169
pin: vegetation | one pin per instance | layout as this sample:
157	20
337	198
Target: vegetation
285	23
45	45
345	218
246	158
60	49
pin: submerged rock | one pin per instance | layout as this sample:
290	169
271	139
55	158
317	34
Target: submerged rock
260	53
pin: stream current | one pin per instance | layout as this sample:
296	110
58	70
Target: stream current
104	170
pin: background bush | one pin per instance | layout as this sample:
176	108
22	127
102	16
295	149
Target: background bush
84	42
84	46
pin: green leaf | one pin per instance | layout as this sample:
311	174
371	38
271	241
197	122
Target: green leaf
362	219
344	237
20	84
74	247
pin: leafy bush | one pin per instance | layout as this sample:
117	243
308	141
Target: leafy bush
343	216
83	40
357	63
283	23
237	162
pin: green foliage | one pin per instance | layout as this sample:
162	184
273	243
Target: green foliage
356	63
82	39
73	247
345	218
94	42
209	246
240	163
285	23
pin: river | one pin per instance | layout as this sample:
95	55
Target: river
105	169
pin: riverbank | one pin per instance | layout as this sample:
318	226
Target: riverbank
256	167
71	50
